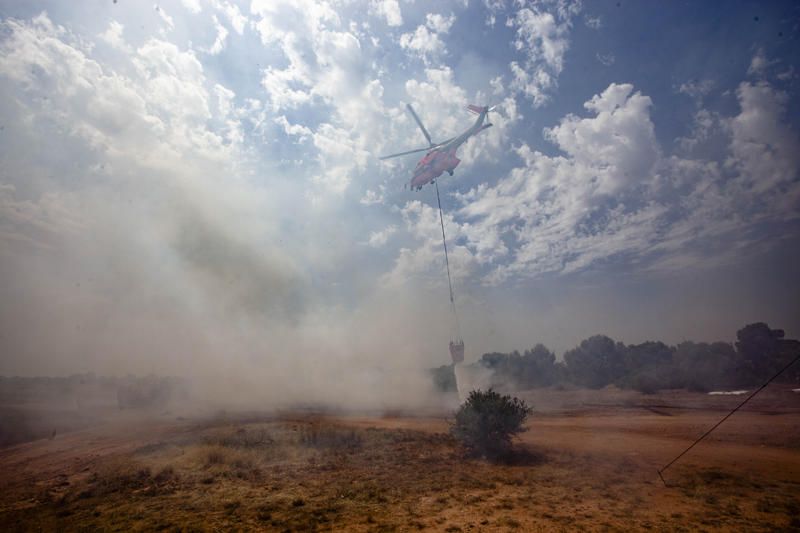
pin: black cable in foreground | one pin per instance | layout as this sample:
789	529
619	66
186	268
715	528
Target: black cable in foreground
784	369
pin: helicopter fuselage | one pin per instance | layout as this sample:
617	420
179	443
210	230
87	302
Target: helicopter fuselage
443	158
433	165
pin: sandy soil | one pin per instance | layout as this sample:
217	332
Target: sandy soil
587	462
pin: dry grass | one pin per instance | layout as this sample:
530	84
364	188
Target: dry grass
314	473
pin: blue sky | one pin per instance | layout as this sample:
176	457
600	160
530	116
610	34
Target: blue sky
191	178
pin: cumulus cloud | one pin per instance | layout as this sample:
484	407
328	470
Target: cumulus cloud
327	67
294	28
231	11
440	23
618	144
113	37
170	23
704	125
219	42
760	63
606	59
764	150
389	10
788	74
696	89
613	196
438	99
542	36
192	5
379	238
594	23
296	130
553	208
426	41
371	198
339	154
425	263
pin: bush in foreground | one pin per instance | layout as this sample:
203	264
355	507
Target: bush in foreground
485	423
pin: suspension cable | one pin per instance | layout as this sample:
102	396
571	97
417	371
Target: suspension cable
447	262
444	241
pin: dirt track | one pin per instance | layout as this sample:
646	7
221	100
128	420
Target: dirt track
587	467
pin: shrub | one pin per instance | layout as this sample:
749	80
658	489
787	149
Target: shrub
485	423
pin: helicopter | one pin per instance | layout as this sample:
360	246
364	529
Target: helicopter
441	157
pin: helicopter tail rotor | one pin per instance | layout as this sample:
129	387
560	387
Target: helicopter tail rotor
481	109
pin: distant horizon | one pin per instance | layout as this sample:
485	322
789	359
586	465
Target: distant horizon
559	358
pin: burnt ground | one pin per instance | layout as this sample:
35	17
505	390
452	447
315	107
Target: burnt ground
587	462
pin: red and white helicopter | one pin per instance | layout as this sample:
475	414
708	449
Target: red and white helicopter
441	157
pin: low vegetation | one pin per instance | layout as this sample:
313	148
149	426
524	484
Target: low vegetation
486	422
307	473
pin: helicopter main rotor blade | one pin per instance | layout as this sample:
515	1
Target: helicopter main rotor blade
444	142
405	153
431	147
419	123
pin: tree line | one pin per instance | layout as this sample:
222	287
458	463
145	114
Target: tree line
758	353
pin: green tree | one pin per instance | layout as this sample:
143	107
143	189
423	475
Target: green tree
486	422
703	366
648	354
596	362
648	367
763	352
538	367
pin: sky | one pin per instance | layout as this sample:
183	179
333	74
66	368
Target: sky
195	185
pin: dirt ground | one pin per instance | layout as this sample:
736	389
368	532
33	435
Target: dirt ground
588	461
